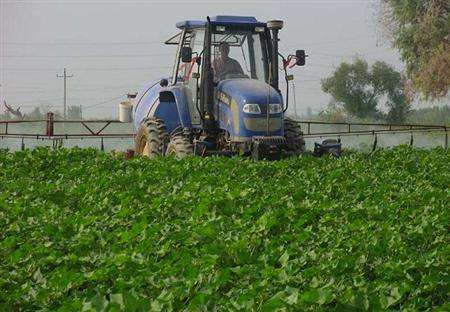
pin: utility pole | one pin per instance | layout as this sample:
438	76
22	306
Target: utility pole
295	100
65	90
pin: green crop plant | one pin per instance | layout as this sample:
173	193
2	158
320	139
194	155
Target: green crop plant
86	230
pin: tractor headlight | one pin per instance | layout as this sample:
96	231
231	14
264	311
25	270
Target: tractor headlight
251	109
275	108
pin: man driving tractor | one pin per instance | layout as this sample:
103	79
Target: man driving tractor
225	65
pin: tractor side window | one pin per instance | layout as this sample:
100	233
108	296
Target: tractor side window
196	44
191	72
260	64
182	66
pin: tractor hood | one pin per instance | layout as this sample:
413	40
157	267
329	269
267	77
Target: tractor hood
249	91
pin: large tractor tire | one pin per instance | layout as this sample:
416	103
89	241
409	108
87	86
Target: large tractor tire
294	136
151	138
180	146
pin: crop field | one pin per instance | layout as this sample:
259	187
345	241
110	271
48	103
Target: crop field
86	230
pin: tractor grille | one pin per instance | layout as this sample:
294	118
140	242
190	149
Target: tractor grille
269	139
260	124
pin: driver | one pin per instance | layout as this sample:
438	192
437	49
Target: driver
224	64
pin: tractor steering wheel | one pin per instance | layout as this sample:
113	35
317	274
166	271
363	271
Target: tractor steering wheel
230	74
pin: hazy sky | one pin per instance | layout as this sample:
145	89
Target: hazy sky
114	47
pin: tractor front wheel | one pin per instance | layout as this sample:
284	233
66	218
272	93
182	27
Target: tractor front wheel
150	138
180	146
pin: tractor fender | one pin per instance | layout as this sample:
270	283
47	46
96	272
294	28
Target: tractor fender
175	96
145	100
166	103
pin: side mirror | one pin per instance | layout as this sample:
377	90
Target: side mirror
301	57
186	54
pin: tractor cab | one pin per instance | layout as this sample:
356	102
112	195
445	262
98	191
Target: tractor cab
224	92
224	60
229	66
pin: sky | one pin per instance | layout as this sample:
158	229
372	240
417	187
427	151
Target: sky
114	47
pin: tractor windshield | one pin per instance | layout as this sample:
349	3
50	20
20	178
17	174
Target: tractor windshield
239	54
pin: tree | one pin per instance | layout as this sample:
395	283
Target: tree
11	111
309	112
431	115
5	116
390	82
74	112
350	85
35	114
359	90
420	30
334	113
399	107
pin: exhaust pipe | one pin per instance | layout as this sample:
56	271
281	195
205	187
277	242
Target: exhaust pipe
275	26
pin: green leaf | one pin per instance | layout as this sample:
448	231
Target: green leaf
284	259
316	296
275	303
292	298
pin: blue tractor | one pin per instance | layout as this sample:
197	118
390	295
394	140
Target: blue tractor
223	95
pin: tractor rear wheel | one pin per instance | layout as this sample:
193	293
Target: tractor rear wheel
150	138
180	146
294	136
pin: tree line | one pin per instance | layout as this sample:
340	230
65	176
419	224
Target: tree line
10	113
420	30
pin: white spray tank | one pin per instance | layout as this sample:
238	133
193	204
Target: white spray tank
126	108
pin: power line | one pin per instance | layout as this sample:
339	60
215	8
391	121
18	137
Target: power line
39	105
45	101
348	54
293	2
82	43
40	101
72	89
85	56
323	43
103	102
87	69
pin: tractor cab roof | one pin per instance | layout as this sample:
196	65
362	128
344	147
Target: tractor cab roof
222	20
225	20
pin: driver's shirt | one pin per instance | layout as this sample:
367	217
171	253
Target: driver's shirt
227	66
